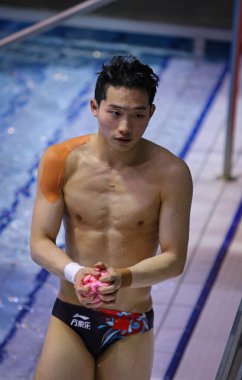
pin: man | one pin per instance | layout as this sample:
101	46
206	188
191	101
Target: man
120	197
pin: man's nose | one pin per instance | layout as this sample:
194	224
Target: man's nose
125	127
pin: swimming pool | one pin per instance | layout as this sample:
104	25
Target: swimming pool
45	86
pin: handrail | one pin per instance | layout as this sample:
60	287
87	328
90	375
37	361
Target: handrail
84	7
230	364
233	90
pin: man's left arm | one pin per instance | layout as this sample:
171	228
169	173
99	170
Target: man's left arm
174	219
176	196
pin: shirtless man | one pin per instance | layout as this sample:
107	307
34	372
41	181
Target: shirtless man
120	197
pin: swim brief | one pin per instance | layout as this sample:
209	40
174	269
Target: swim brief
99	328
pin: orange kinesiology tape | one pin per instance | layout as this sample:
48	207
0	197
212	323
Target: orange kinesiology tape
54	162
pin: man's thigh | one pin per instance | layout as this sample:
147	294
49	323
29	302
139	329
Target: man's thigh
64	355
131	357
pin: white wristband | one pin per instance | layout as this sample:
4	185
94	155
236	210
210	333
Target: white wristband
71	270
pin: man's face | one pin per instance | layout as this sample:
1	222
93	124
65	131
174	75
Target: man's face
123	116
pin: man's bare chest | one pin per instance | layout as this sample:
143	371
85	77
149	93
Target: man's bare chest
111	198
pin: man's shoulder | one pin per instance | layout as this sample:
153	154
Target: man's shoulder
162	154
60	151
167	162
53	166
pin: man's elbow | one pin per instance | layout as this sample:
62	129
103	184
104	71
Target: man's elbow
35	250
179	267
179	270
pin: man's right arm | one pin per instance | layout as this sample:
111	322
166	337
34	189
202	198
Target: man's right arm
46	222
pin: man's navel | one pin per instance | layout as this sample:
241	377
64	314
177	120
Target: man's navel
140	223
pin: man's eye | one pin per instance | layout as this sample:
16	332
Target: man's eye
115	113
139	115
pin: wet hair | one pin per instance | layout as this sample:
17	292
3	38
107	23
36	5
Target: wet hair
126	71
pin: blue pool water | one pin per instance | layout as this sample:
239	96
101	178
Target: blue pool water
45	86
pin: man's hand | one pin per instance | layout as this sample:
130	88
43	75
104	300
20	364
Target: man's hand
83	291
108	294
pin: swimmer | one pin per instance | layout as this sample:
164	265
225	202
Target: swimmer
125	204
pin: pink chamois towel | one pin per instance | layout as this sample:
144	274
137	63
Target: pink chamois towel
94	283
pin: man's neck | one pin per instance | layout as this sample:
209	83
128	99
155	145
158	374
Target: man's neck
113	157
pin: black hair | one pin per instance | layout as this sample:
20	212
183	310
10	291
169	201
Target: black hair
126	71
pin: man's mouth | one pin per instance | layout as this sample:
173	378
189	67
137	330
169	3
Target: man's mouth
123	139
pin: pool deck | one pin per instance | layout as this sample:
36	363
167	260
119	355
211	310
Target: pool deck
201	287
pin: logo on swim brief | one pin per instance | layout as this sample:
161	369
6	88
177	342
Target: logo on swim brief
83	317
81	321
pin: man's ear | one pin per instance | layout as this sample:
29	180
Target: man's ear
94	107
152	109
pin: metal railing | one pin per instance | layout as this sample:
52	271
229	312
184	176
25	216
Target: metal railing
50	22
233	90
231	364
